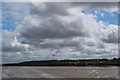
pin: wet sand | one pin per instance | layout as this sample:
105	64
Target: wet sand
59	72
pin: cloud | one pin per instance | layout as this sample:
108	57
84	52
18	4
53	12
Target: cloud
111	34
51	28
9	42
53	32
49	9
62	31
107	6
69	27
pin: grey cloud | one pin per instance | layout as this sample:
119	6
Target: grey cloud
49	9
65	43
107	6
54	28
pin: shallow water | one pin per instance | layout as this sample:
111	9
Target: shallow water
59	72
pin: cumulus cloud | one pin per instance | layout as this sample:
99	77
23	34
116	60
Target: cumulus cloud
111	34
9	42
62	31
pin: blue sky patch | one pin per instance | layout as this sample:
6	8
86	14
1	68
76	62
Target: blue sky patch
107	17
13	14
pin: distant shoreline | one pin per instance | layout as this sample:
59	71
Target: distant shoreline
77	63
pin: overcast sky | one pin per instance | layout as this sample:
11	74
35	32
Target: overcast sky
59	30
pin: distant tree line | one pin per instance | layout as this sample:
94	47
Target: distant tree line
86	62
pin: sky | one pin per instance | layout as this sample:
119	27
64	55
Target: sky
59	30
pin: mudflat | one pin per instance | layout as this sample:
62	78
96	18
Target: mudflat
59	72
